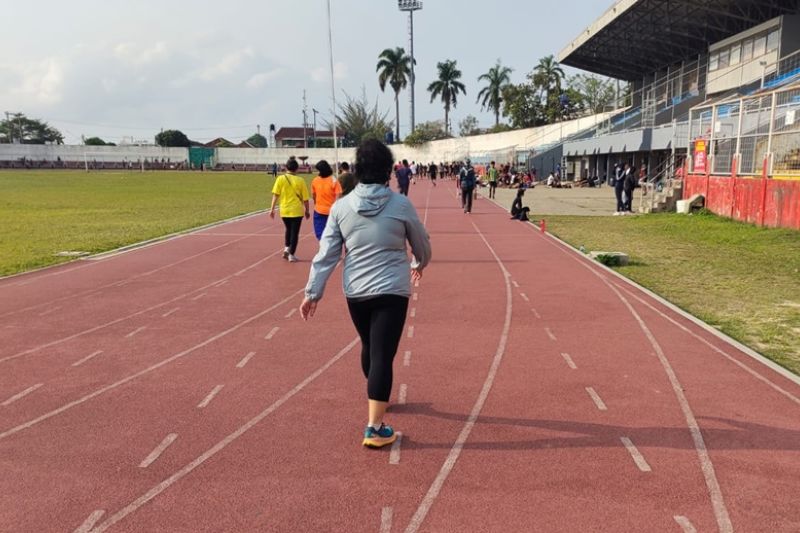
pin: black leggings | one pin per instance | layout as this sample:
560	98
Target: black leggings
379	322
292	235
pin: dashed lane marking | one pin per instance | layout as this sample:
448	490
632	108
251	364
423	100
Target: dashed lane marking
291	313
596	399
394	454
685	524
272	333
89	523
410	332
638	458
211	395
524	297
416	283
171	311
155	454
415	297
550	334
201	295
386	520
413	312
135	332
21	395
402	395
407	358
90	356
536	313
245	360
516	285
570	362
221	283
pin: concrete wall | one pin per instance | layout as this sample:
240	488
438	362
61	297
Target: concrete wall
51	152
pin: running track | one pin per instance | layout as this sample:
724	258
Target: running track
174	388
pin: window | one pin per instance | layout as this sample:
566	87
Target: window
760	46
713	62
736	54
724	58
773	40
747	50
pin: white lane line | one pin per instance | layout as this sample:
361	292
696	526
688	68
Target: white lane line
21	395
402	395
524	297
596	399
394	454
638	458
407	358
416	283
221	445
415	297
516	285
570	362
291	313
413	313
245	360
89	523
171	311
201	295
207	399
536	313
136	331
550	334
83	399
458	446
49	311
155	454
221	283
271	333
685	524
90	356
410	332
386	520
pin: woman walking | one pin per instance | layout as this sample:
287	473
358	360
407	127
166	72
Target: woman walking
372	224
291	191
325	191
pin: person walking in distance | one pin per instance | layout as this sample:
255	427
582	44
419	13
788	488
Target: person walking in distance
292	193
325	191
403	175
492	174
619	181
466	182
628	184
372	226
432	170
346	179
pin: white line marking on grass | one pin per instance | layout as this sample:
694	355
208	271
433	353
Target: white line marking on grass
524	297
386	520
413	313
201	295
638	458
685	524
49	311
291	313
452	457
402	395
30	423
550	334
407	358
207	399
415	297
596	399
21	395
570	362
245	360
410	332
155	454
221	445
135	332
272	333
171	311
90	356
394	454
89	523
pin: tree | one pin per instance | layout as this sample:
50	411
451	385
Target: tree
522	104
491	96
257	140
447	87
173	138
94	141
25	130
358	120
597	94
468	126
548	76
394	68
426	132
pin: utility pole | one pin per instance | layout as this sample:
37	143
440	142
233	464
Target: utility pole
410	6
315	126
305	120
8	125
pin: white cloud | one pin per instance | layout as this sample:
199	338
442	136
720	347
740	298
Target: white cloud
38	83
262	78
133	54
323	74
227	65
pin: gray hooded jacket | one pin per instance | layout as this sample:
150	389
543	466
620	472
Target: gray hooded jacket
373	224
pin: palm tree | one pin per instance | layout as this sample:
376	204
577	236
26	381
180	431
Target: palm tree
490	96
394	68
548	75
448	87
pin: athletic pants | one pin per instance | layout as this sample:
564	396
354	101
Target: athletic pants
379	322
492	189
466	199
320	221
620	204
292	235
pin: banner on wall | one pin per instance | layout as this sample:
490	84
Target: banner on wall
700	157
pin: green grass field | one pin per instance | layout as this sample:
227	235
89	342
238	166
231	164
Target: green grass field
742	279
43	213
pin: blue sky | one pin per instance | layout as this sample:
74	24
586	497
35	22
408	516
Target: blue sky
120	68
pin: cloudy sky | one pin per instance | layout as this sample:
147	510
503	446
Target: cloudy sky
118	68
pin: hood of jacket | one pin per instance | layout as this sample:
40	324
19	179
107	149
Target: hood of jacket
370	198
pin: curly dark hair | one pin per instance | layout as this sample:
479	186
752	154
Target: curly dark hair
373	162
324	168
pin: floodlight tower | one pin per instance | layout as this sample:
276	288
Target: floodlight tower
410	6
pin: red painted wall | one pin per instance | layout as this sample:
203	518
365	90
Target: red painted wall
769	202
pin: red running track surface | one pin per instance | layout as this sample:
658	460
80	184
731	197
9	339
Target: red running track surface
174	388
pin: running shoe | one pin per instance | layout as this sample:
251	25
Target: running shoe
378	438
286	253
292	258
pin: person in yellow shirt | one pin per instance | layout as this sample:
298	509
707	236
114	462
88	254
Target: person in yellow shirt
291	194
325	190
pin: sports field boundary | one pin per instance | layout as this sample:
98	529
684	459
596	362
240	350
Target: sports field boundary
785	372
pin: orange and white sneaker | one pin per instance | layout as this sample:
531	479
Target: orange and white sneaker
378	438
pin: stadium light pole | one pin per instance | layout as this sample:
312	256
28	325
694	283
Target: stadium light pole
333	95
410	6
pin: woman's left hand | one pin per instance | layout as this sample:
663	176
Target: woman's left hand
416	274
308	308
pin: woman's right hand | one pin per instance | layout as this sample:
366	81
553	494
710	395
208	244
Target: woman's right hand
308	308
416	274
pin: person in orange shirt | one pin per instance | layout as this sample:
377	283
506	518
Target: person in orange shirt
325	190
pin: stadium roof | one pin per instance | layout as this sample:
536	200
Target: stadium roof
638	37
